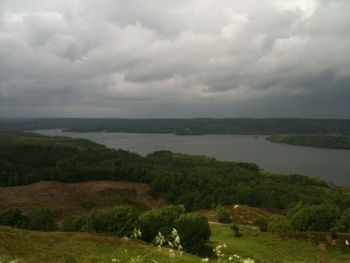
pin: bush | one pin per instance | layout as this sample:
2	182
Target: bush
194	232
262	224
74	224
13	217
315	218
159	220
119	222
41	219
343	224
278	223
235	230
223	215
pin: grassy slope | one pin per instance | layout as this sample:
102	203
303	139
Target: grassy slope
34	247
269	247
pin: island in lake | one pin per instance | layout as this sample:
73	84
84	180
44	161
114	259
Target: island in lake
314	140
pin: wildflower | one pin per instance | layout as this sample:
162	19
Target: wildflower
205	260
159	240
114	260
248	260
172	253
136	233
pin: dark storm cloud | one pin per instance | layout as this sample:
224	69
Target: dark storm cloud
175	58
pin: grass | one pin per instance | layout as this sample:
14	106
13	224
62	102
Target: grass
270	248
61	247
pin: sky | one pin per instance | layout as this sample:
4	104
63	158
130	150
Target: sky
175	59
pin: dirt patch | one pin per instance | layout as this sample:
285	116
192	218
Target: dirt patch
67	199
240	214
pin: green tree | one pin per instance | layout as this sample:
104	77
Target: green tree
159	220
194	232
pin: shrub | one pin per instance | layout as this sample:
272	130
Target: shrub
315	218
92	223
74	224
194	232
262	224
235	230
120	222
278	223
159	220
343	224
41	219
223	215
13	217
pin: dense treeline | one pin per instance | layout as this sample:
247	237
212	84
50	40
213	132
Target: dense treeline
195	181
28	158
314	140
185	126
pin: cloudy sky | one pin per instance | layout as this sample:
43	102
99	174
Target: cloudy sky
183	58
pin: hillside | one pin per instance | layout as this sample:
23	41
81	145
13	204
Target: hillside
67	199
61	247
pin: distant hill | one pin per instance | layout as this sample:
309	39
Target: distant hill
183	126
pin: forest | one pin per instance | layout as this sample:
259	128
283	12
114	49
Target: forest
196	181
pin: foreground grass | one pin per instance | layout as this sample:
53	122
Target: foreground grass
270	248
33	247
60	247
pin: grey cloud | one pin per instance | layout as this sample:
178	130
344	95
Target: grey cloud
165	59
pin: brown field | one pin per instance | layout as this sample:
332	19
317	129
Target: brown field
240	214
68	199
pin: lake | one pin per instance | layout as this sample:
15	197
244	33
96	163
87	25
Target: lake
329	164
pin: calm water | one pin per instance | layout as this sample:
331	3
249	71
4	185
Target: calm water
328	164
